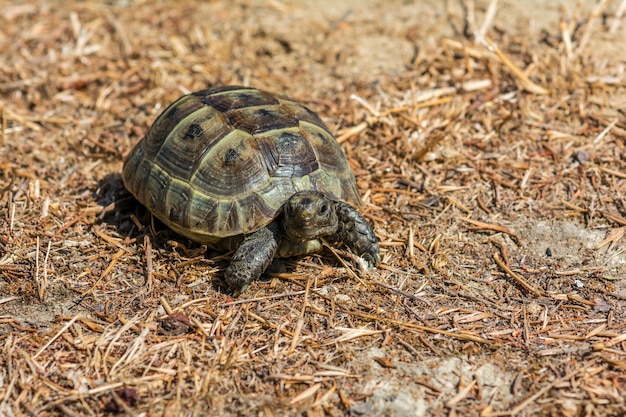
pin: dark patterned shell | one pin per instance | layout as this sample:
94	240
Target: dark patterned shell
222	162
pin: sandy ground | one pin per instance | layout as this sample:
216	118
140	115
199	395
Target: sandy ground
493	174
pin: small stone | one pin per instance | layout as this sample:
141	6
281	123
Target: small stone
175	324
581	157
361	409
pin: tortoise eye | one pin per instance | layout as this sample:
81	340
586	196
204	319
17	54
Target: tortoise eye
324	208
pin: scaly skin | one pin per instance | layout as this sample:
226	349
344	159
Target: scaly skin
252	258
356	233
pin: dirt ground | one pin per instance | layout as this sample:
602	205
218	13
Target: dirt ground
488	139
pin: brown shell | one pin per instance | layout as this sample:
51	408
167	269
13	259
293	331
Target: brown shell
222	162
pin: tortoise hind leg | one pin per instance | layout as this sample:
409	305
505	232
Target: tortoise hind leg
252	258
356	233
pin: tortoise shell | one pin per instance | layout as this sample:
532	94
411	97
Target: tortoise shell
221	162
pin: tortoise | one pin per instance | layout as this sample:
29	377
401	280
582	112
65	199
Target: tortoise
237	168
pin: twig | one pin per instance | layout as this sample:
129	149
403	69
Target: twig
106	272
604	132
309	392
44	282
147	246
362	315
342	262
166	305
460	395
494	227
403	293
526	82
249	300
489	16
597	11
3	137
300	322
618	17
613	172
55	337
542	391
467	337
612	342
276	327
102	389
516	277
567	39
424	99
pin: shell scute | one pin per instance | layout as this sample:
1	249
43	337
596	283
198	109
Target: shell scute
231	167
226	100
261	119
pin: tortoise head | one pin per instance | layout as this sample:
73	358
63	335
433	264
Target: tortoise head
309	215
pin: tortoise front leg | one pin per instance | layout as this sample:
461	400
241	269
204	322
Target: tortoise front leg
252	258
356	233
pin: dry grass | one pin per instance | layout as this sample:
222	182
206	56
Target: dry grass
492	164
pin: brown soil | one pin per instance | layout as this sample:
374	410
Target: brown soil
490	150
